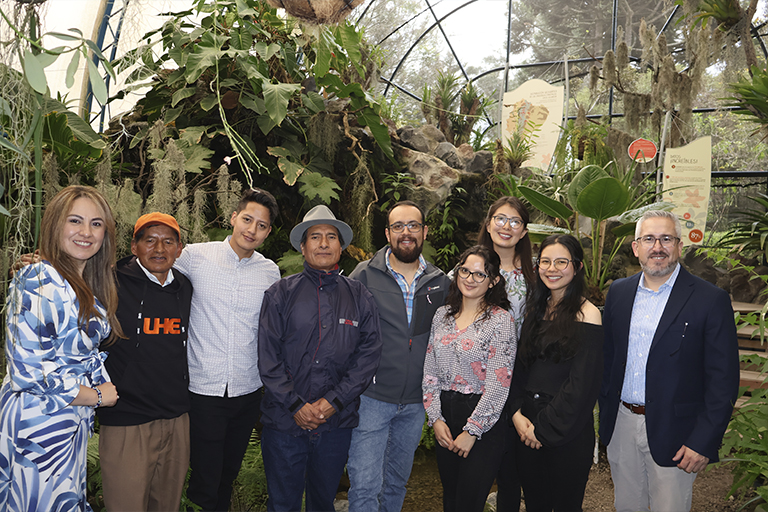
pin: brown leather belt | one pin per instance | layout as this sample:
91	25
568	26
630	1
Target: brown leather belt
637	409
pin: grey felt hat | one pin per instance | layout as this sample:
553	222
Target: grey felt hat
320	214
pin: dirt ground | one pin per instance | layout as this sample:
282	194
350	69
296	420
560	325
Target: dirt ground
709	489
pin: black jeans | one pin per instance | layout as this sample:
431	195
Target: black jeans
467	482
220	428
555	477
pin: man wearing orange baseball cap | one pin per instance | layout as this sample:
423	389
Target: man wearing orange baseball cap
144	440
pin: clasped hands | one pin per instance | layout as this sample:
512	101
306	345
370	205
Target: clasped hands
525	430
461	445
311	416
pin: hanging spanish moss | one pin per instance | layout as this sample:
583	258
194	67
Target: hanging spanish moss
362	200
199	208
324	133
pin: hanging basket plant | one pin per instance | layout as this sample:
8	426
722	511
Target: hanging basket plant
317	11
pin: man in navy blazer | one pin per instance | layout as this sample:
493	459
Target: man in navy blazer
671	373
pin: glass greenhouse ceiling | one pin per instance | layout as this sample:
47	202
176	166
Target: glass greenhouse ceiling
478	38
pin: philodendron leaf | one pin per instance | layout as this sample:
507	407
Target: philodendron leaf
34	72
314	184
545	204
291	170
182	94
602	199
276	98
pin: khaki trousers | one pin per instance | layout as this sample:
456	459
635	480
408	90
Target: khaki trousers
639	483
143	467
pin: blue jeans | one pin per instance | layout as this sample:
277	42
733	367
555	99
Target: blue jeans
381	454
314	462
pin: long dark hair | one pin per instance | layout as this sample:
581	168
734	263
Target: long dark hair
523	246
555	339
495	296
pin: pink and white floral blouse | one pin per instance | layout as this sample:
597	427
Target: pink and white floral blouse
476	360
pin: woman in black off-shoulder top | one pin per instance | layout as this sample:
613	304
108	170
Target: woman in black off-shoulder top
556	381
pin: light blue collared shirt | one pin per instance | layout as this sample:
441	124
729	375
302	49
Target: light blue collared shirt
646	314
408	291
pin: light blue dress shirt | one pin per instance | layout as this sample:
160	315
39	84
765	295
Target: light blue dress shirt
646	314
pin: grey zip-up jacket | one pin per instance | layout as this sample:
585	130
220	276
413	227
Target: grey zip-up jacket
398	379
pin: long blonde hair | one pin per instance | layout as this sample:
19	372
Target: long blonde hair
98	277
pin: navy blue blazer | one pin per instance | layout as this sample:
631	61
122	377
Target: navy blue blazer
692	375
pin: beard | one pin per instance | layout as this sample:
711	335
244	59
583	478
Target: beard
407	255
659	271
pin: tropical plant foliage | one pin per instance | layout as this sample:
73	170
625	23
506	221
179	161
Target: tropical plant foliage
749	235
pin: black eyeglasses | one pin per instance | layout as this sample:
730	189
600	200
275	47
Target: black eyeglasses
648	241
399	227
477	277
559	263
501	220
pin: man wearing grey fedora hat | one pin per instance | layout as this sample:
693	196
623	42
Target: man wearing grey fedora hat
319	347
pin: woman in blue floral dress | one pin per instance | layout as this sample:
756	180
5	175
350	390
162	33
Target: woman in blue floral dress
59	311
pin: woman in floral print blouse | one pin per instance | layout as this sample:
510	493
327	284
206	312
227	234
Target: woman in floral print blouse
467	372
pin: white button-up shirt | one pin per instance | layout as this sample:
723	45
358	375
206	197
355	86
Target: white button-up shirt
224	319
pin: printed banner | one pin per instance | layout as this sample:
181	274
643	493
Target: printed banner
687	177
541	104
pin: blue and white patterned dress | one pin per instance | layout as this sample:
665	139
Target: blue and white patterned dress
43	440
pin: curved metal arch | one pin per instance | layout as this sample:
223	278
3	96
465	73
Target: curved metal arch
418	40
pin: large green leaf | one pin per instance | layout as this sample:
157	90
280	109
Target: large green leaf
64	37
209	102
313	101
276	98
98	86
34	72
74	64
240	39
7	144
545	204
351	41
624	230
244	10
48	57
314	184
324	51
80	128
197	158
182	94
367	117
205	55
588	174
602	199
291	170
266	51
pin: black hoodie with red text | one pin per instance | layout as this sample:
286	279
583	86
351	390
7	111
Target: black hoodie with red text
149	368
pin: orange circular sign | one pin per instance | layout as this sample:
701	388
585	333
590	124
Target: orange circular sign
696	236
642	150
